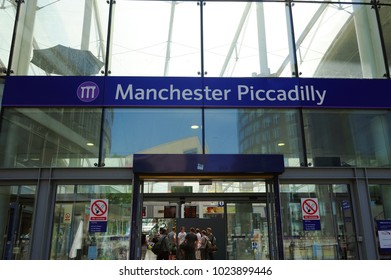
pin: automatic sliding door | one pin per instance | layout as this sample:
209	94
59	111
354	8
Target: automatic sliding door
238	211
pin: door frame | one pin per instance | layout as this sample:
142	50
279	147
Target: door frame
205	167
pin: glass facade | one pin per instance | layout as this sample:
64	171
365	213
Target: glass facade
73	237
380	202
335	237
50	137
172	38
381	214
384	15
359	138
150	131
205	39
157	38
72	137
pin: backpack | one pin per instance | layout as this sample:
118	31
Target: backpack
158	247
208	244
211	245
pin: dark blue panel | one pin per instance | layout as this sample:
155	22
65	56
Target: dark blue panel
203	164
36	91
309	225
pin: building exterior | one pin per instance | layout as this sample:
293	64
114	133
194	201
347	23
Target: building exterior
267	121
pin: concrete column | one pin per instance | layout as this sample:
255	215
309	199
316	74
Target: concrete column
368	41
24	38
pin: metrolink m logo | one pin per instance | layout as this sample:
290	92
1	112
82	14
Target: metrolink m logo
88	91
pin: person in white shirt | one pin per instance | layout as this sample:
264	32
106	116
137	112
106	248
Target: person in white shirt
198	253
181	238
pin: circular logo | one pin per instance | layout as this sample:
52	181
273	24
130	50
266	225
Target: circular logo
88	91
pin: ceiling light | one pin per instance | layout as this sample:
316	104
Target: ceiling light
195	126
90	144
281	144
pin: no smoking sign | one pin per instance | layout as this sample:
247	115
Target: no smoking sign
310	208
99	209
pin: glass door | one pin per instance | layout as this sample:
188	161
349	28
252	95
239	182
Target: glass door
17	206
247	231
240	214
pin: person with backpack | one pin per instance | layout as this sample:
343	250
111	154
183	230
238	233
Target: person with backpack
203	247
162	249
213	246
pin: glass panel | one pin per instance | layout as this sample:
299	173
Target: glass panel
385	16
245	41
150	131
254	131
76	235
247	231
204	187
381	213
50	137
156	38
359	138
331	235
380	201
61	38
16	218
7	18
329	45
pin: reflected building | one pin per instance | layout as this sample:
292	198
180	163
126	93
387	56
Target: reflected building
61	137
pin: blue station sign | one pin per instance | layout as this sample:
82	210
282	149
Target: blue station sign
35	91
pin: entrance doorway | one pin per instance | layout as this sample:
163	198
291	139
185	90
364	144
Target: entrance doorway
240	185
239	212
